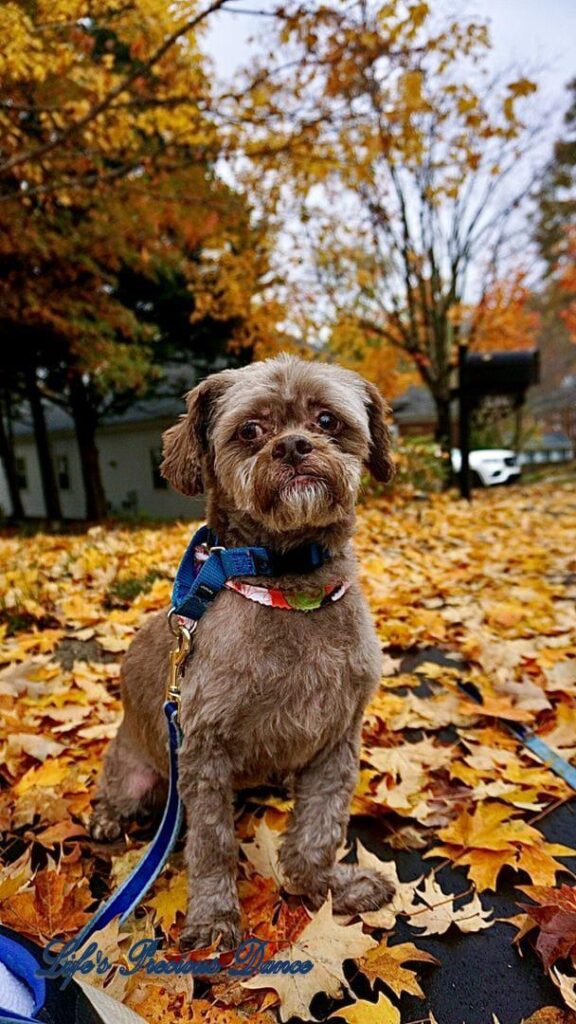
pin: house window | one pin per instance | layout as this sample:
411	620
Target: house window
21	474
158	481
63	472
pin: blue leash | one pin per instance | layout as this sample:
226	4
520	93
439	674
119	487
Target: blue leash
130	892
559	765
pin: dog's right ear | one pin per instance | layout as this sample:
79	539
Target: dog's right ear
380	462
185	445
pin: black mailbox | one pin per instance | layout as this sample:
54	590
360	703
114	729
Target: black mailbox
500	373
495	373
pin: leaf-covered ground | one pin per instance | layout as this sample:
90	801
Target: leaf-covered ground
481	594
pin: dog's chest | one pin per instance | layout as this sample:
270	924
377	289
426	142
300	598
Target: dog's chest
278	685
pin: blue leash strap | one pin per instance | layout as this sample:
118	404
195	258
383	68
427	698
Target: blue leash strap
194	590
559	765
133	888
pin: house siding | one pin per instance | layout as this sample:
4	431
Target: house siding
126	468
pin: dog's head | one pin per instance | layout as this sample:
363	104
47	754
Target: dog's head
284	441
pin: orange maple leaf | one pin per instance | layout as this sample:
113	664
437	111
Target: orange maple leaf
51	909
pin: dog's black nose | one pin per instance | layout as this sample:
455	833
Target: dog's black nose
292	448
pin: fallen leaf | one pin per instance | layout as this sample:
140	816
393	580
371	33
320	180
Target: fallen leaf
169	902
492	837
555	915
262	852
567	986
433	911
35	745
562	738
326	944
53	908
551	1015
401	902
60	833
51	773
561	677
386	963
365	1012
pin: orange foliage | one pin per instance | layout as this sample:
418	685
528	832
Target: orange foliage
376	359
504	319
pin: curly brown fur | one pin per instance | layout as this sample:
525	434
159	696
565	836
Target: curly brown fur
279	447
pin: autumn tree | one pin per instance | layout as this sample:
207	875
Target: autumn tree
98	300
567	285
395	164
59	316
556	212
107	194
555	235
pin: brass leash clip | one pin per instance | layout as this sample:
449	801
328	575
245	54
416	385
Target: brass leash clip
178	656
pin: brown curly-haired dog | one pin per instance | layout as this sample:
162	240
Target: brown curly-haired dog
279	446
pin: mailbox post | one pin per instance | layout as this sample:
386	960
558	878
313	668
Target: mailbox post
493	373
464	410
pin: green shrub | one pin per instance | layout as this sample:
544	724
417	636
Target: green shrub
420	464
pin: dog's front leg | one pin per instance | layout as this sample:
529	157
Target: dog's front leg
317	828
211	851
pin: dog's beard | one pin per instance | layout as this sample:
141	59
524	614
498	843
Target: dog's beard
304	501
318	493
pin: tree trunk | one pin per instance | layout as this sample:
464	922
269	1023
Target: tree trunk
443	432
518	428
47	474
85	424
9	463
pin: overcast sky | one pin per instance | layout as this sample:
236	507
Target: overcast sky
537	35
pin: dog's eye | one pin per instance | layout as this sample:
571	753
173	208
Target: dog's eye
250	431
328	421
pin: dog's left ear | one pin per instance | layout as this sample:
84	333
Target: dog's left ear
185	445
379	460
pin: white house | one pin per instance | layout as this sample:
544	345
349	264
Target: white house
129	447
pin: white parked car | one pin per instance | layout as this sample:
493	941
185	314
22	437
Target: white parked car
490	466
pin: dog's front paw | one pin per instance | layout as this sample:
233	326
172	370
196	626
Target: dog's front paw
358	890
104	826
225	933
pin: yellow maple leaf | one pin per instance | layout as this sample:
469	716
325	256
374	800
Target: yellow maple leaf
365	1012
433	910
488	828
169	902
262	852
387	964
51	773
487	840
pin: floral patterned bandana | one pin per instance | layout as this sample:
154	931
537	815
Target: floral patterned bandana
273	597
294	601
